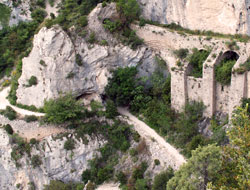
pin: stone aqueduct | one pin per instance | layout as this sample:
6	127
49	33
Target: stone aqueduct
216	97
184	88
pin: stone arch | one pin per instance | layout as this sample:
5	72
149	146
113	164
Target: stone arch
223	79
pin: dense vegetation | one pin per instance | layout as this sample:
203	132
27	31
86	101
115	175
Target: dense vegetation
223	71
153	103
5	15
196	60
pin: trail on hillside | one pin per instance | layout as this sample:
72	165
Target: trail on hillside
4	102
171	154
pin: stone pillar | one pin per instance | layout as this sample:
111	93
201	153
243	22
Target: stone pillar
208	81
178	90
238	91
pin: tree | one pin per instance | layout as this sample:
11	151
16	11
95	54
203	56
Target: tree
111	110
129	9
160	181
63	109
200	169
121	85
235	172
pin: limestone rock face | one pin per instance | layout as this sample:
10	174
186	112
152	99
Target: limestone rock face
53	61
57	163
217	15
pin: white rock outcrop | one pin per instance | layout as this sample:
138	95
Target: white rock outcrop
216	15
53	61
57	163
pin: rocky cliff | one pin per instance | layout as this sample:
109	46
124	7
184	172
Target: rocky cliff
57	163
216	15
53	61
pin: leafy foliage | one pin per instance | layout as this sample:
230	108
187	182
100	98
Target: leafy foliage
196	60
69	144
36	161
160	180
129	9
5	14
9	113
235	172
181	53
8	129
223	71
58	185
63	109
200	169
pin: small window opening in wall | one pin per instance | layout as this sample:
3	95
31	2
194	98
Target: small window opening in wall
222	88
199	85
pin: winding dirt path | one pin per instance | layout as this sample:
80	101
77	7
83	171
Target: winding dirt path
109	186
171	153
4	102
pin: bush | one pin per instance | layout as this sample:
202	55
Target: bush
121	86
223	71
79	60
83	21
92	38
129	9
196	60
157	162
8	129
69	144
33	141
36	161
32	81
122	178
63	109
38	15
181	53
9	113
42	62
30	118
111	110
112	26
160	180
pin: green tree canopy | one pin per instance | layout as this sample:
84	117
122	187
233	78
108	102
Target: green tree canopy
63	109
200	169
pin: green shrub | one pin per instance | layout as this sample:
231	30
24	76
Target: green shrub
157	162
70	75
111	110
133	152
52	3
92	38
121	177
141	184
223	71
232	45
196	60
33	141
138	171
69	144
104	43
42	62
5	13
243	67
41	3
104	4
9	113
36	161
79	60
160	180
32	81
142	22
38	15
30	118
63	109
112	26
181	53
129	9
8	129
83	21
